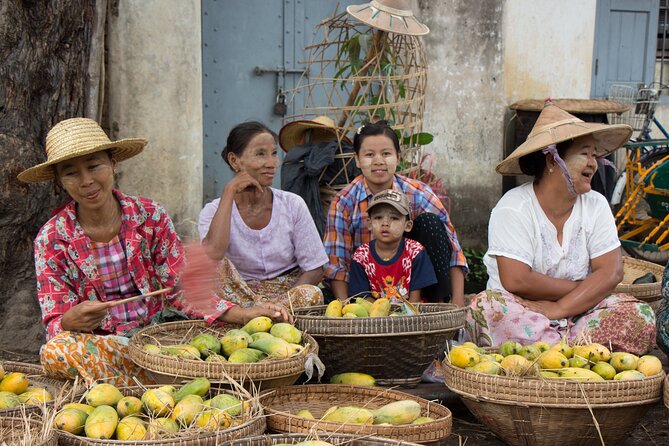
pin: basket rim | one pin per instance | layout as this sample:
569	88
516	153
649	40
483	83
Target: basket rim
548	389
270	368
329	436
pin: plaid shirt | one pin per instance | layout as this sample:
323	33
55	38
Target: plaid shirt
347	222
68	272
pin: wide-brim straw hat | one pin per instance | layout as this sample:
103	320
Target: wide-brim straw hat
394	16
76	137
554	126
323	128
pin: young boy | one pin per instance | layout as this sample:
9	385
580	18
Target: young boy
390	266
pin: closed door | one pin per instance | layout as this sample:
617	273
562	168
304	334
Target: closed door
251	53
625	40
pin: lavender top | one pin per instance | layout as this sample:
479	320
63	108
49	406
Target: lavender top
288	241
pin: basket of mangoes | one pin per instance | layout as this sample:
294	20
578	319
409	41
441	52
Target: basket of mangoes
24	388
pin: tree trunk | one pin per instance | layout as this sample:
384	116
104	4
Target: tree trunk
44	49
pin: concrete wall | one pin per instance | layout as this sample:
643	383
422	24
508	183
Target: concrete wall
465	107
155	91
548	48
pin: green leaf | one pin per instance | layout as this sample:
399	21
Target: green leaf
418	139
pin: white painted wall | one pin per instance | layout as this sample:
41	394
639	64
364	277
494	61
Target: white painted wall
155	92
548	48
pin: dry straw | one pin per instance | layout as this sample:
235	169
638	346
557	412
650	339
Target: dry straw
281	404
335	439
270	372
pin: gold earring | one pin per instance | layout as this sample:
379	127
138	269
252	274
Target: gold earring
550	170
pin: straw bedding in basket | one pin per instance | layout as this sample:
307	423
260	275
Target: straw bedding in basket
36	376
24	431
537	412
651	293
395	350
252	425
281	404
265	374
336	439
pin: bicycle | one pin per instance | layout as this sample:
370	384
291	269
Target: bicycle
642	219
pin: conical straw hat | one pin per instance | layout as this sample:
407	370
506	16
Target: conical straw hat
555	125
323	128
394	16
76	137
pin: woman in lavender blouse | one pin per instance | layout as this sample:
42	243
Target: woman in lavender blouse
265	238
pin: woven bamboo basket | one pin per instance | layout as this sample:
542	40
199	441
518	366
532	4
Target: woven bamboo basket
336	439
650	293
252	425
537	412
25	431
266	374
36	376
281	404
371	345
666	392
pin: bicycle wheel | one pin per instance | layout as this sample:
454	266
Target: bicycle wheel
659	257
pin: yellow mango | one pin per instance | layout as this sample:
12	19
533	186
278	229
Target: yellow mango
353	379
228	403
542	346
183	351
580	362
187	409
151	349
260	335
305	413
349	315
103	395
85	408
157	402
516	365
333	309
245	356
9	400
364	302
626	375
356	309
552	359
215	358
71	420
198	386
488	367
101	424
603	353
130	428
564	348
2	371
463	357
578	374
604	369
161	428
624	361
397	412
547	374
235	340
35	395
206	343
274	347
287	332
380	308
260	323
349	414
422	420
212	420
649	365
128	405
14	382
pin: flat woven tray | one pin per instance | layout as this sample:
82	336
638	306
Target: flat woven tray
588	106
394	350
533	411
265	374
18	430
36	377
253	426
635	268
336	439
281	404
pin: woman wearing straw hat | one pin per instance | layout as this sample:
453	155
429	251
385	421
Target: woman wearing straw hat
101	247
553	251
265	238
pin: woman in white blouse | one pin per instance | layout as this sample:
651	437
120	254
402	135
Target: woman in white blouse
553	251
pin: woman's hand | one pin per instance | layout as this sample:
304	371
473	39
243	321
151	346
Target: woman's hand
552	310
240	182
240	316
85	316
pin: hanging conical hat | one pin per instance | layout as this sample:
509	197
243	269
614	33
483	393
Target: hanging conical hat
555	125
394	16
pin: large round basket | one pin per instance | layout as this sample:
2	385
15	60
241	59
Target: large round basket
394	350
281	404
336	439
537	412
252	426
650	293
265	374
57	388
25	431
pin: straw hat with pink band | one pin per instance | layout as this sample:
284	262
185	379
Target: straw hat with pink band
394	16
76	137
554	126
319	129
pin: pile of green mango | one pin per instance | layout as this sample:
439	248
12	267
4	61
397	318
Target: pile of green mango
255	341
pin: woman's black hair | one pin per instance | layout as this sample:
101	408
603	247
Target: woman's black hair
377	128
534	164
240	136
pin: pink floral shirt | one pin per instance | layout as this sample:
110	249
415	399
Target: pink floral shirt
67	270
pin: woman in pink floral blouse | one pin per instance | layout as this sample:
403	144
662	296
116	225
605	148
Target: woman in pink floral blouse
100	247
